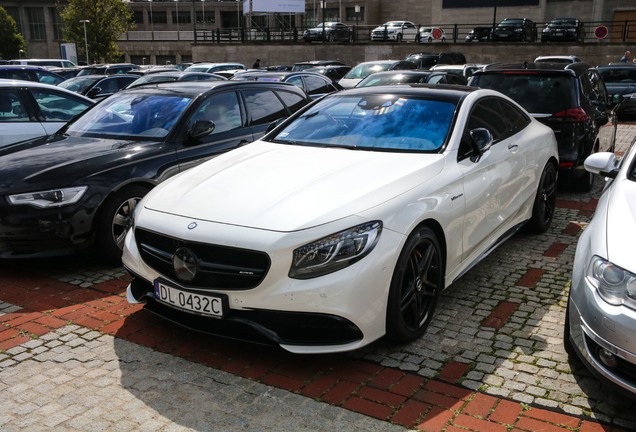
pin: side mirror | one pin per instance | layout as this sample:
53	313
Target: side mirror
94	92
617	98
481	141
201	128
603	163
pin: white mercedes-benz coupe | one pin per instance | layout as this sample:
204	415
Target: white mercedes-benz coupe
345	222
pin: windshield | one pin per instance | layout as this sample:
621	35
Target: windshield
619	75
563	23
142	116
372	122
92	71
393	24
327	24
389	79
79	85
152	79
364	70
510	22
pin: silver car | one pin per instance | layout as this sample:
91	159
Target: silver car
600	322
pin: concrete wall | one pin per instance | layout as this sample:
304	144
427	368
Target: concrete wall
352	54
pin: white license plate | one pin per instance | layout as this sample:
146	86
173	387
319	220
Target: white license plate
202	304
558	34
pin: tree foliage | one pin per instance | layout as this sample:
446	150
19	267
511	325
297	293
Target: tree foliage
11	41
108	20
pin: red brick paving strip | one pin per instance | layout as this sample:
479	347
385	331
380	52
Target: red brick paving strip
381	392
500	315
531	278
555	250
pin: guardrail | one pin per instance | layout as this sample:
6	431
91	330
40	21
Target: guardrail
598	32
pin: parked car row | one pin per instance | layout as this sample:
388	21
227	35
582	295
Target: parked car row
190	180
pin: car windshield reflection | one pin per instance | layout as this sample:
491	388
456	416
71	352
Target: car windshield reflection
378	122
142	116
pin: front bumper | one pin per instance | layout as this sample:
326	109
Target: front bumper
27	232
592	329
340	311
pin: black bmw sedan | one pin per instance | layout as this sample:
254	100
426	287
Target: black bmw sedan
80	186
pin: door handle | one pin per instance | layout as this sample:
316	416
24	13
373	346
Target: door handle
513	147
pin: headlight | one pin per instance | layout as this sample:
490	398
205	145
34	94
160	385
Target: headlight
335	252
615	285
50	198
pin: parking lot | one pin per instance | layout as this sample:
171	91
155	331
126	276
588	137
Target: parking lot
74	355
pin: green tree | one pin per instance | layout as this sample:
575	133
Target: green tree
11	41
108	19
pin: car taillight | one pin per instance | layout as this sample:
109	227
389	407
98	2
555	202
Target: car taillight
575	115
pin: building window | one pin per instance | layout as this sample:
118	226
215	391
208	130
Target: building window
159	17
37	27
206	17
331	15
309	19
138	17
15	14
58	24
184	17
351	14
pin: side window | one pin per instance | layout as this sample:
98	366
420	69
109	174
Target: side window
485	114
222	109
263	106
58	107
293	101
108	85
11	108
317	85
436	79
297	81
48	78
517	119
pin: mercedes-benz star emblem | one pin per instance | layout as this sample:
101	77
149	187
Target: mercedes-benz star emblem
192	225
185	265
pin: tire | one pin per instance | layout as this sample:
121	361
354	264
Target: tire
115	220
430	39
415	287
545	201
398	38
583	181
567	343
331	37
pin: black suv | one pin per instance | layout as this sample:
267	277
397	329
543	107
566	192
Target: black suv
563	29
570	98
428	60
516	29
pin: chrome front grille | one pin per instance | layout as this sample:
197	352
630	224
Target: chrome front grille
219	267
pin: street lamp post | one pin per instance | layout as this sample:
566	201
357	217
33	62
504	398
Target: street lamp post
152	24
85	40
20	54
177	6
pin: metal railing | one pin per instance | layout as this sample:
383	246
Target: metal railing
613	31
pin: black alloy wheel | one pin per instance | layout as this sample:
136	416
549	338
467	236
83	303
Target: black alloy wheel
115	220
415	287
545	201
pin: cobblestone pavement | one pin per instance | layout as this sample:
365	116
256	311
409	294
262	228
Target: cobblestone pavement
75	356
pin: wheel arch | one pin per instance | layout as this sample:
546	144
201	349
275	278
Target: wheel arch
437	229
143	182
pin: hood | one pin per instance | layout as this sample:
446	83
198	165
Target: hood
60	160
287	188
621	224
